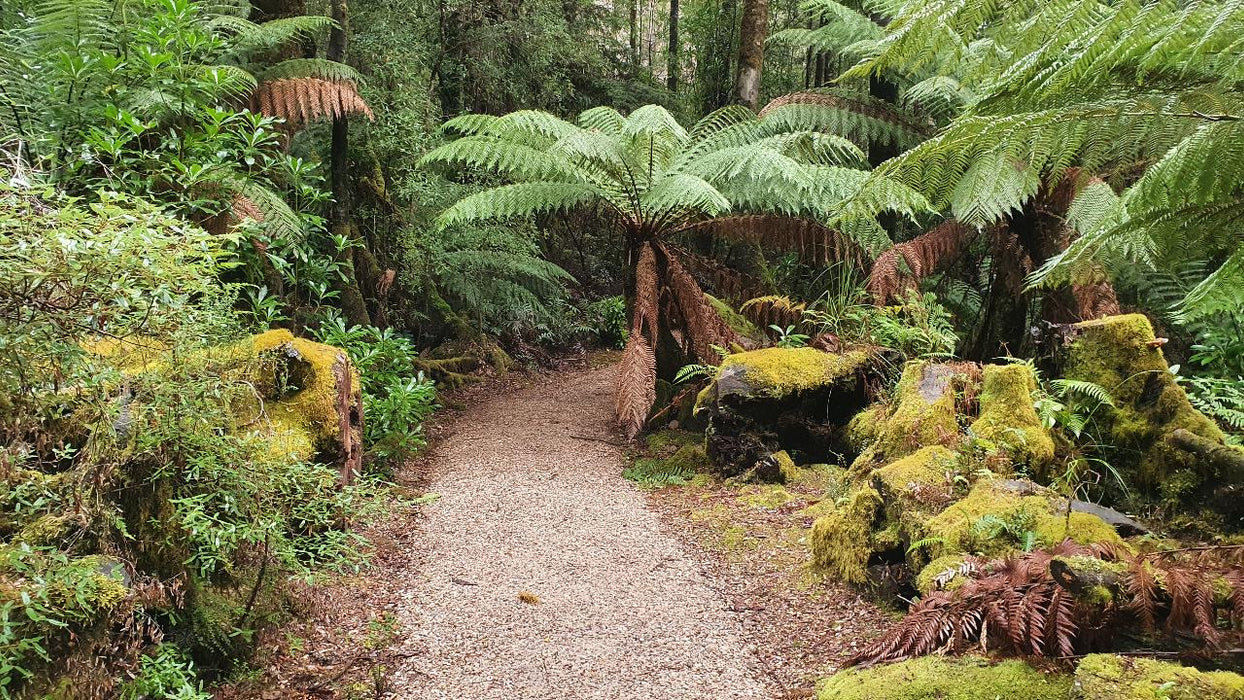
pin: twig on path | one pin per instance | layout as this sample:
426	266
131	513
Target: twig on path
462	581
594	439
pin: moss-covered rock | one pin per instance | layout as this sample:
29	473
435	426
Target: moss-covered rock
917	481
945	573
842	540
1110	677
1009	420
941	678
1120	354
864	427
1001	515
312	407
922	414
779	372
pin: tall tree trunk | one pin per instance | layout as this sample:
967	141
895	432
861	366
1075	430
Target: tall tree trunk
449	66
634	43
340	216
671	80
752	34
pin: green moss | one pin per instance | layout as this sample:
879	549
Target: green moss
689	459
994	520
302	417
671	440
1110	677
789	471
765	497
45	530
841	540
942	574
1118	354
941	678
865	427
737	321
917	480
1008	418
778	372
922	414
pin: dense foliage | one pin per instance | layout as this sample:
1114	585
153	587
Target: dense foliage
443	189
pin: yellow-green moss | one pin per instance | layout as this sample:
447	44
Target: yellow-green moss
1110	677
1008	418
787	468
305	421
864	428
947	568
765	497
737	321
1118	354
922	414
778	372
993	520
914	479
941	678
45	530
841	540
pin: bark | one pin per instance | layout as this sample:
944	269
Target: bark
752	34
672	78
449	68
339	217
634	37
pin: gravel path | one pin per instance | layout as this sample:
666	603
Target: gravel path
532	500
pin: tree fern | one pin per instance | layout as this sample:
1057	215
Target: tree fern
653	178
1106	88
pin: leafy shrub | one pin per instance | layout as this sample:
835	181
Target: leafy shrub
165	674
121	383
397	398
607	318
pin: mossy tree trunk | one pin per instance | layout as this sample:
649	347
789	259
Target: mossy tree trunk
752	34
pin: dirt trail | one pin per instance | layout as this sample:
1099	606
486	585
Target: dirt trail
532	499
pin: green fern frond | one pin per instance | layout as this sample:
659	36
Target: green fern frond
519	200
1065	388
279	32
322	69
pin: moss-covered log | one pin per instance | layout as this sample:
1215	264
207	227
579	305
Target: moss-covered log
798	399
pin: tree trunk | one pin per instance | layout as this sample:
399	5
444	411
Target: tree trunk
449	68
634	37
671	81
751	51
339	216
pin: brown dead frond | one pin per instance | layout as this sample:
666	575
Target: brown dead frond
302	100
1037	604
897	270
647	295
636	384
725	281
773	310
810	240
703	327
